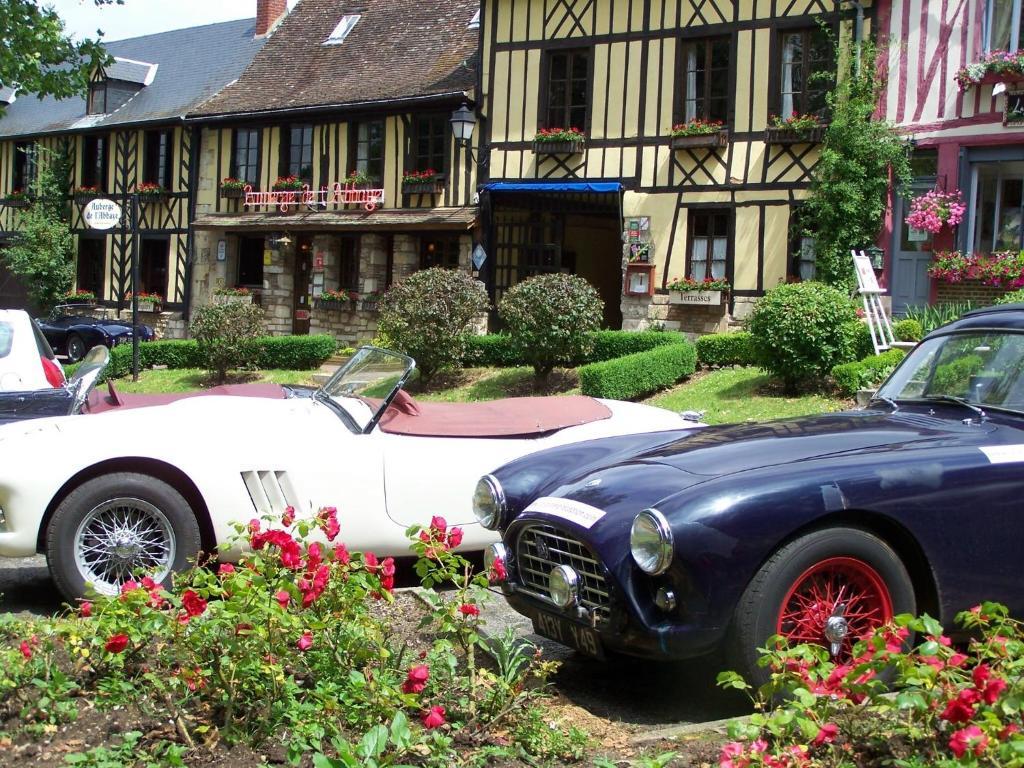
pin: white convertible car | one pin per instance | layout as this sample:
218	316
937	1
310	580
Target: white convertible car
130	489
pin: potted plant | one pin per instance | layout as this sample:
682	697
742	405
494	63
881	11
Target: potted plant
358	180
232	295
559	141
287	184
232	188
428	182
17	198
78	296
151	192
934	210
707	292
86	193
334	299
148	302
699	133
996	67
795	129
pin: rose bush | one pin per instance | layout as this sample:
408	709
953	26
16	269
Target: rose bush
288	645
943	707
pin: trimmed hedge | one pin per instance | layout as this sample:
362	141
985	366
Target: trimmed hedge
726	349
495	350
290	352
640	374
850	377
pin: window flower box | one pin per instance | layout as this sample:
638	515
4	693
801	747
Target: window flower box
148	302
336	300
719	138
79	296
428	182
85	195
369	302
239	295
996	67
232	188
152	194
706	293
775	135
559	141
17	199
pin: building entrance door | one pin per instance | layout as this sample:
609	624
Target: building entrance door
910	285
303	286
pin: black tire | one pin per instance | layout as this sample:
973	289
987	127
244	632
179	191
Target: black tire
172	532
757	615
76	348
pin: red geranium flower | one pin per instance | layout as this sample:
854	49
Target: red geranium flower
433	718
116	643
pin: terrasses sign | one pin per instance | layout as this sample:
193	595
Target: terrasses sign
336	194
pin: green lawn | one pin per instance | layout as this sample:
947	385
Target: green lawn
471	384
731	395
185	379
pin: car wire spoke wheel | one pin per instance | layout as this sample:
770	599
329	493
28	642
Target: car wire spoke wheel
76	348
120	539
835	603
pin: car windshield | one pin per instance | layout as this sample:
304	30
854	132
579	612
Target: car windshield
367	383
979	368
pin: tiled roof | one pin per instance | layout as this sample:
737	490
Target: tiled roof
399	49
193	64
139	72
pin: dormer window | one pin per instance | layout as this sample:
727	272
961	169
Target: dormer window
475	23
112	87
97	98
348	21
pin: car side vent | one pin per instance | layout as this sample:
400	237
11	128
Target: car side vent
270	490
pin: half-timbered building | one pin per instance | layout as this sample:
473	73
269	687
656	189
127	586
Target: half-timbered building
620	200
129	134
330	169
968	133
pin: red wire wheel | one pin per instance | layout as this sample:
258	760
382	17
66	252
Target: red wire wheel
818	593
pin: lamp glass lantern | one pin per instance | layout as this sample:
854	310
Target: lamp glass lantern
463	122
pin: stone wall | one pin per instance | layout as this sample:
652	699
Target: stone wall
640	313
166	325
968	290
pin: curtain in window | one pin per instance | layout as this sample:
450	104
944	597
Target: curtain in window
719	250
691	83
792	55
699	259
1002	25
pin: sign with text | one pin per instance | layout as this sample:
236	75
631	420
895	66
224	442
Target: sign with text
337	194
102	214
866	274
705	298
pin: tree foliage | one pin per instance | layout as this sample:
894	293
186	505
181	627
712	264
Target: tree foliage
38	56
227	336
42	253
850	183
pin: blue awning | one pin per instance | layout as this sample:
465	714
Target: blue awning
554	186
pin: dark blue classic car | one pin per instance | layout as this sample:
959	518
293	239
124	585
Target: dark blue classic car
673	544
73	334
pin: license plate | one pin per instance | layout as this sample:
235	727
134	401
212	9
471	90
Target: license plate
583	639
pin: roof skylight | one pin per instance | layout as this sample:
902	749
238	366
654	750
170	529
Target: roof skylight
348	21
475	23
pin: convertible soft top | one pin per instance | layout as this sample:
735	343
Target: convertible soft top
511	417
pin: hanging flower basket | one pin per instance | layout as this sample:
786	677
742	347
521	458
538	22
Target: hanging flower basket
934	210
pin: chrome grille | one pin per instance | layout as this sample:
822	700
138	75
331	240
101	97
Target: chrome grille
539	548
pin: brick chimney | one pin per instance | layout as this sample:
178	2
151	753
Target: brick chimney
268	12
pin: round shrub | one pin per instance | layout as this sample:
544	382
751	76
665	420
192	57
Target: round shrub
801	331
226	335
551	319
429	315
908	330
1015	297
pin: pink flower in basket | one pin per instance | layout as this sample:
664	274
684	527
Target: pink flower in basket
933	210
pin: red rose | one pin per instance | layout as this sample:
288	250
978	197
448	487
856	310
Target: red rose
283	598
314	556
129	586
328	519
341	554
468	609
26	651
305	642
433	718
370	561
387	570
454	537
416	679
226	569
85	609
116	644
498	572
288	517
993	690
826	734
439	525
961	709
969	738
194	605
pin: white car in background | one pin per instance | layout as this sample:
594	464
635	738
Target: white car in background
27	362
145	489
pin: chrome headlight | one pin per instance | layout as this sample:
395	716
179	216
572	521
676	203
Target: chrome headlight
564	586
650	542
489	502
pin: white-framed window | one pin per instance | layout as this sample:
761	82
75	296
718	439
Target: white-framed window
341	31
1003	25
996	207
